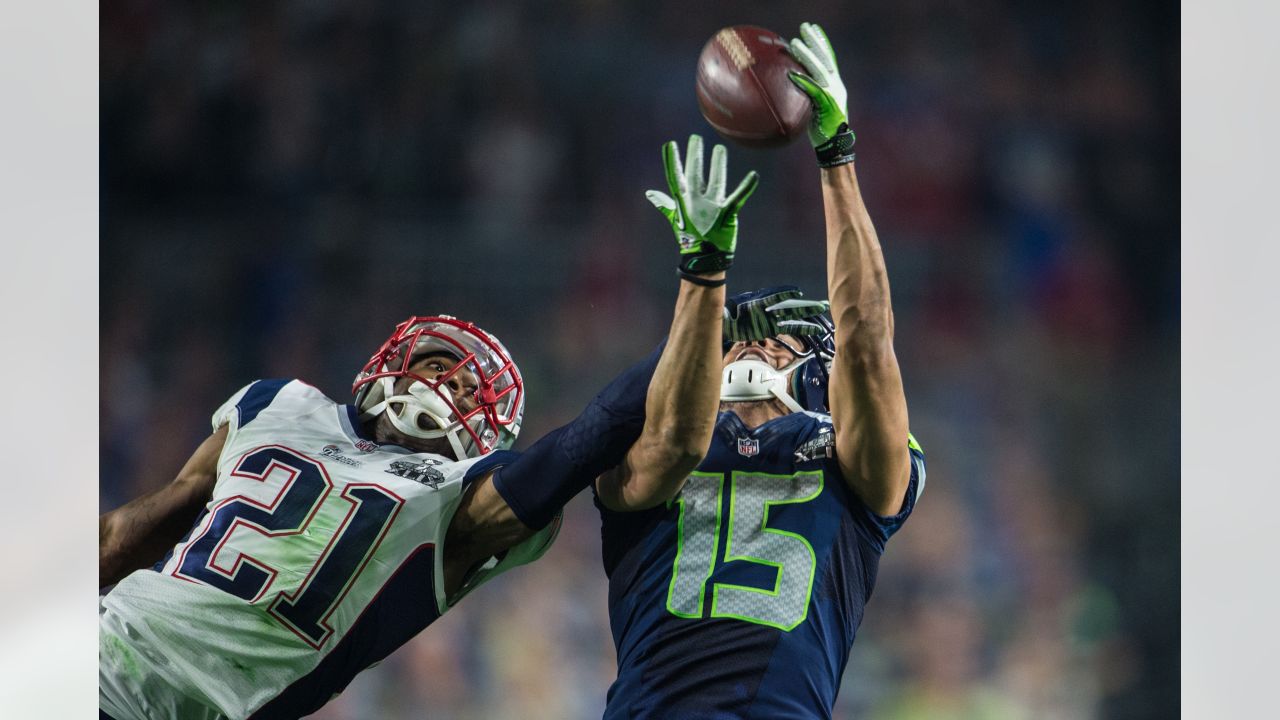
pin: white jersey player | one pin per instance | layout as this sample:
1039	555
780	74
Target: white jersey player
314	529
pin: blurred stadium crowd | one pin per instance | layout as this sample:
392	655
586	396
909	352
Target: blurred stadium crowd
282	182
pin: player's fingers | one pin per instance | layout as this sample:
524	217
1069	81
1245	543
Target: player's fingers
806	85
676	180
817	39
666	206
716	178
802	308
660	200
671	164
801	327
744	190
693	164
805	56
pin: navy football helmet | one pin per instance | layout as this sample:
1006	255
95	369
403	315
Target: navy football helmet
782	310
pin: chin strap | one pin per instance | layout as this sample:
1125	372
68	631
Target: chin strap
419	401
749	380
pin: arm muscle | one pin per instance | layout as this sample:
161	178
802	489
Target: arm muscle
680	407
868	405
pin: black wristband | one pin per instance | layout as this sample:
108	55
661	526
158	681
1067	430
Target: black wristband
706	262
696	280
838	150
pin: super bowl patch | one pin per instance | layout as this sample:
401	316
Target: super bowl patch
819	447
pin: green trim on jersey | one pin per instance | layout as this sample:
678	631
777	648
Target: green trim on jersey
672	605
777	586
701	518
911	443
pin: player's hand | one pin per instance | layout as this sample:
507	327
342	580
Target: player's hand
829	129
705	220
767	313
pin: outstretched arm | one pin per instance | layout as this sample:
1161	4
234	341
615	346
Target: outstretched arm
663	432
680	406
868	405
137	534
657	438
684	396
656	419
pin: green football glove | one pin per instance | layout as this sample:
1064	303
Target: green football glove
829	129
704	219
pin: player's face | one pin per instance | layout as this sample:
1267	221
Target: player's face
778	352
461	386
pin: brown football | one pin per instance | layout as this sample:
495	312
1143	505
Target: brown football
744	91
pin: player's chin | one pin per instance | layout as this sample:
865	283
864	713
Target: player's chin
435	446
747	405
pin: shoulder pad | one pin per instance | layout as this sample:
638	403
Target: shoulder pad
292	397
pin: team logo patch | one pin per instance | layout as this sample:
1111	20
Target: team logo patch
367	446
748	447
419	472
334	453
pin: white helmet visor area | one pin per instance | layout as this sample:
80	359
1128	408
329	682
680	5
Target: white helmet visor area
475	399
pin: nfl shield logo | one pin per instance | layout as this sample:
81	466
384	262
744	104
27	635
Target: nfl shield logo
748	446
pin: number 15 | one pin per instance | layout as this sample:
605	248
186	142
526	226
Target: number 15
749	539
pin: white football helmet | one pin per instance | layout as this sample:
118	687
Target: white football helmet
426	409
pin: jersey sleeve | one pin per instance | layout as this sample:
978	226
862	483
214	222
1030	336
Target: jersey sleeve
525	552
568	459
536	546
227	412
882	527
286	398
483	465
241	408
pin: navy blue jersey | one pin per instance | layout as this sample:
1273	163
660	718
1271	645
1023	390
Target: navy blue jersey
741	597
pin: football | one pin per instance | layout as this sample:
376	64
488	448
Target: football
743	88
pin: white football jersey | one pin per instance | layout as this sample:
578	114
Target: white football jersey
319	554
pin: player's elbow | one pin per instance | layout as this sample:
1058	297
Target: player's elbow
678	452
653	489
109	549
659	473
864	327
108	531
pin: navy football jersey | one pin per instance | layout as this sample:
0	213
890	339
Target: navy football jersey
740	598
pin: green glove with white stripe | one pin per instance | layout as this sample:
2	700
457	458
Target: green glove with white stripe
829	129
704	219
